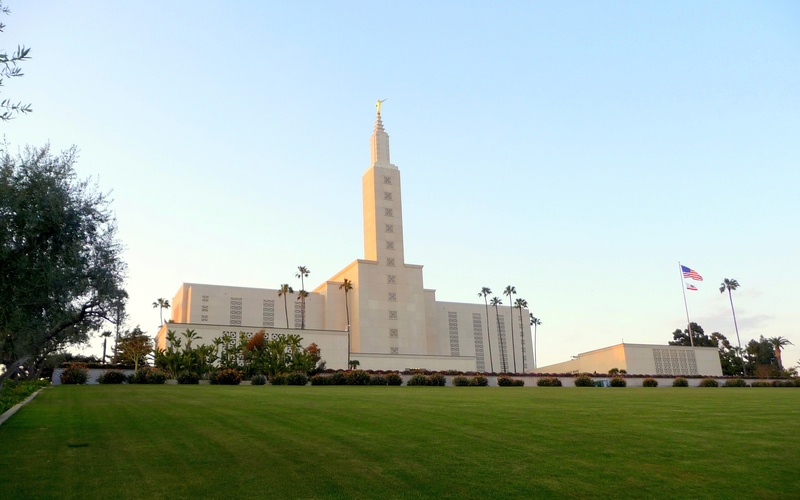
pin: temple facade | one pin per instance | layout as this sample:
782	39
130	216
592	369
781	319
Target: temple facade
395	322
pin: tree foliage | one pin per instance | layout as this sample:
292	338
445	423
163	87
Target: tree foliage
61	273
9	68
133	348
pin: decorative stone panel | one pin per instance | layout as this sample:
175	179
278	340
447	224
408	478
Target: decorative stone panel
452	324
236	311
477	331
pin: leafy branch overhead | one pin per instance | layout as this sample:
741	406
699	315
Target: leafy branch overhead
9	69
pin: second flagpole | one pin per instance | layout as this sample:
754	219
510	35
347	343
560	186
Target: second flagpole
683	289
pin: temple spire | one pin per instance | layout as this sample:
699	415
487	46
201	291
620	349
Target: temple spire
379	143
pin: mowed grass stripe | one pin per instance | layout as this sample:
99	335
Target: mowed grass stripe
402	442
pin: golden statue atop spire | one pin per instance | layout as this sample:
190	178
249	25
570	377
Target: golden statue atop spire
378	105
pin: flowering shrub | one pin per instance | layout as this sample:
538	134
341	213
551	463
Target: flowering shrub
111	377
277	380
782	383
649	382
618	382
761	383
505	381
549	382
297	378
736	382
259	379
584	381
394	379
338	378
357	377
320	380
460	381
75	374
378	380
188	378
479	381
680	382
709	382
438	380
227	376
418	379
518	382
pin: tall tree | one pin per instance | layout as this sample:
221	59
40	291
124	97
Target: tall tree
302	272
301	296
61	270
9	68
521	304
731	285
134	347
485	292
105	336
496	301
161	304
285	290
347	285
509	291
779	343
534	323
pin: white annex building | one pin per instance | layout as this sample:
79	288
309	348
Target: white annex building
395	323
643	359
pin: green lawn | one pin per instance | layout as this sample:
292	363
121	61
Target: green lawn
402	442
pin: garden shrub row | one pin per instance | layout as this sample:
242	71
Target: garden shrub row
357	377
506	381
476	381
15	392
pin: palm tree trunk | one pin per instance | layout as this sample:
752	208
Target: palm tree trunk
778	355
513	351
522	338
500	340
737	329
489	335
286	310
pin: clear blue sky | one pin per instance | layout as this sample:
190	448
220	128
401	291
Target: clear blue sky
575	150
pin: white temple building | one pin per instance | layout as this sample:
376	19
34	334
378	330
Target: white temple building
395	322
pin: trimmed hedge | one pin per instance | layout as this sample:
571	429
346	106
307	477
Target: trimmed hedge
394	379
228	376
584	381
618	382
479	381
338	378
378	380
111	377
437	380
258	379
320	380
278	380
736	382
188	378
460	381
357	377
297	378
418	380
649	382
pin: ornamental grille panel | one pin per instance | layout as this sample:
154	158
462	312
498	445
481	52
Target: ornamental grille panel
268	317
390	279
501	341
452	324
204	309
204	317
387	179
392	314
675	362
298	315
389	228
388	212
236	311
477	331
205	298
393	333
394	350
390	262
522	343
392	297
387	196
390	245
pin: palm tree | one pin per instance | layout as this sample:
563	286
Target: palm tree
283	292
347	285
301	296
534	323
510	290
302	272
161	304
778	343
496	301
732	285
485	293
520	304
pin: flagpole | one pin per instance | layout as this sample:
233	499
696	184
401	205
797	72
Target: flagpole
683	289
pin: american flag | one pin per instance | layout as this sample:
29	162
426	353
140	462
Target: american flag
691	287
691	273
